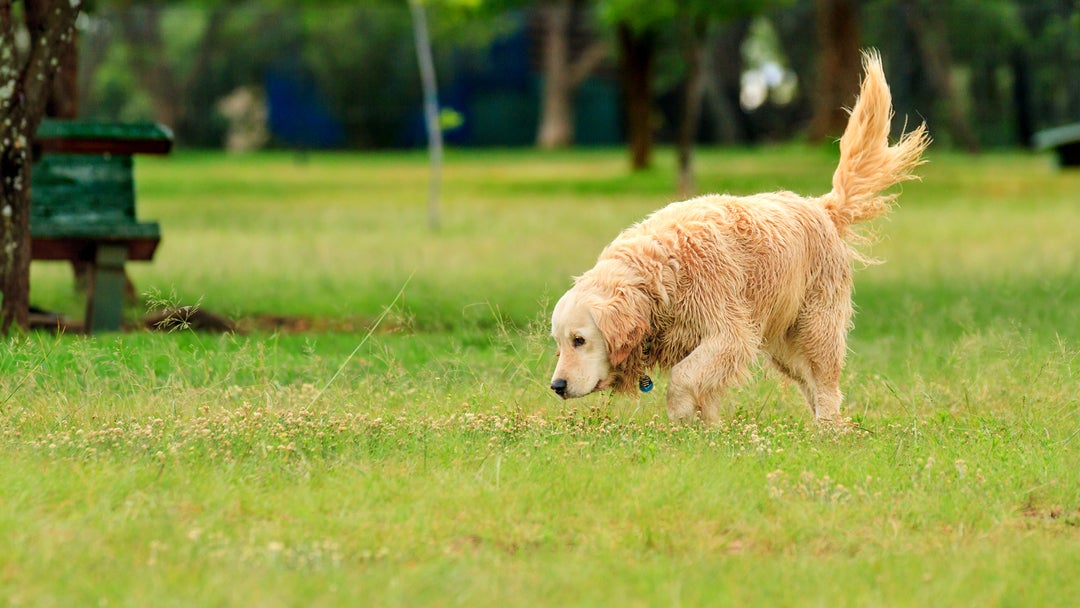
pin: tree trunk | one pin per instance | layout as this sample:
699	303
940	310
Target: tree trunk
722	66
636	51
563	74
1021	93
932	43
15	235
431	108
62	92
837	29
693	50
63	103
25	80
556	111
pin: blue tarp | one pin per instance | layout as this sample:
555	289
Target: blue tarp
298	115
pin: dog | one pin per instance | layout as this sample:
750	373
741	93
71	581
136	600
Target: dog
703	287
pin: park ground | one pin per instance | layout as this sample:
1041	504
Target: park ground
393	442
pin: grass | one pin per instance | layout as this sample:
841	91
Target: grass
436	469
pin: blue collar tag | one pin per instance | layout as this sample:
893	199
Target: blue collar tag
645	384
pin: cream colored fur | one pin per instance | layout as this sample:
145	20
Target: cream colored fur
701	287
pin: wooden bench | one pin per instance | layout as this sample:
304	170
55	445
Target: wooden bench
1065	140
82	206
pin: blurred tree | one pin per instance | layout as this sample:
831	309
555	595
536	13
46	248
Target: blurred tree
364	61
930	33
1052	44
837	34
169	83
563	69
801	50
1005	66
692	29
701	26
431	107
637	48
640	26
358	58
179	58
33	37
723	65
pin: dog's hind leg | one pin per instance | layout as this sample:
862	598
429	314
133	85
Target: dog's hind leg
822	345
788	368
698	381
812	354
818	379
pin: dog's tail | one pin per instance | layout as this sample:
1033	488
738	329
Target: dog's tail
868	164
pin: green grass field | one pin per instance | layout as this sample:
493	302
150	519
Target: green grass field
425	462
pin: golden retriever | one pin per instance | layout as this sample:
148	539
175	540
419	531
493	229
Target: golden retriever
702	286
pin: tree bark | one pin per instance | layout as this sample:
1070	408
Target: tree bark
63	89
556	111
15	235
563	74
637	50
837	29
25	81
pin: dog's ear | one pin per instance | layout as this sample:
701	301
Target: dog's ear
623	320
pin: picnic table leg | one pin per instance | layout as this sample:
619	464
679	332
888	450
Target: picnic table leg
105	298
84	279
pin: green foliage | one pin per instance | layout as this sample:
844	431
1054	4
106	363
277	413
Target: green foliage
116	87
643	15
361	58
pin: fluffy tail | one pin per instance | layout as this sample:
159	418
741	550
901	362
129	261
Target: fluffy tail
868	164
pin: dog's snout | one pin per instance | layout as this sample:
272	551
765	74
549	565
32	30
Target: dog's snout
559	386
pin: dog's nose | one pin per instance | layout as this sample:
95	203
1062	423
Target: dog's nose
559	386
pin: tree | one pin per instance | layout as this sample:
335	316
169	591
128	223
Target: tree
639	27
932	43
27	73
431	107
723	63
637	50
692	29
837	29
563	71
166	83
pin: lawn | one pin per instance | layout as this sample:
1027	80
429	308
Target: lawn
403	449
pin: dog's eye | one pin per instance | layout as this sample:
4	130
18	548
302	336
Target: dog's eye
579	341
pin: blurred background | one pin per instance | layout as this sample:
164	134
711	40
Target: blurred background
557	73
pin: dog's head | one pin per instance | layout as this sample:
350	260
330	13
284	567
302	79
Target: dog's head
595	334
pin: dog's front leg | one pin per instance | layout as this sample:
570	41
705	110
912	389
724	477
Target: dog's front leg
698	381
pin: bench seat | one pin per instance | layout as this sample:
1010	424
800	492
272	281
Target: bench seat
82	206
1064	140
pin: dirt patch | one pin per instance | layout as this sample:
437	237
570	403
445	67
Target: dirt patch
204	321
1054	513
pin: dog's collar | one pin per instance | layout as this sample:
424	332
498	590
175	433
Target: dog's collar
645	383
